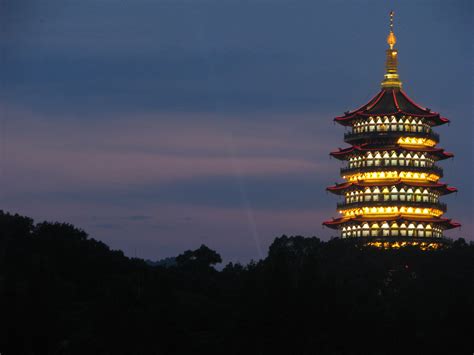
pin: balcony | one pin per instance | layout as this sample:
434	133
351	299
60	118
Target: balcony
389	167
358	137
380	202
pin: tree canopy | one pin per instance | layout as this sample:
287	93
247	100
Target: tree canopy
62	292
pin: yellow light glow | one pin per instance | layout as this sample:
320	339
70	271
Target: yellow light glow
391	211
415	141
397	245
391	175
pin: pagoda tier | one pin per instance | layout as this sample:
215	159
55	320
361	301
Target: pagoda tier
392	187
347	187
445	223
365	148
391	101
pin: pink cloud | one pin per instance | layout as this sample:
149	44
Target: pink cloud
49	153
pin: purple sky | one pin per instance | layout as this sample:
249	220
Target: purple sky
157	126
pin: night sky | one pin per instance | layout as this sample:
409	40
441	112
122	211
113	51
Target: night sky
157	126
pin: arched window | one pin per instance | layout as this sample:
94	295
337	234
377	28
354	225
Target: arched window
401	160
410	194
367	194
379	124
394	193
374	230
428	231
419	126
377	158
420	230
371	124
369	159
411	230
416	160
357	196
393	124
403	230
423	160
418	195
376	194
365	230
394	229
344	233
393	160
349	231
402	194
426	196
385	229
386	194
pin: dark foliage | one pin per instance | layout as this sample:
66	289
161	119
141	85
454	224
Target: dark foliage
64	293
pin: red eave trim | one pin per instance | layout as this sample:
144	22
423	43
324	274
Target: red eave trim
453	224
448	223
345	185
381	94
361	111
372	102
419	115
395	101
361	147
362	114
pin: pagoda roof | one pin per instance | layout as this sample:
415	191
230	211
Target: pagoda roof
339	189
391	101
365	147
447	223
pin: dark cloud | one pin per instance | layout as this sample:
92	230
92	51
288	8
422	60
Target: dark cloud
224	56
138	218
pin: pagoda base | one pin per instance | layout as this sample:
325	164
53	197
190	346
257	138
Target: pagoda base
386	243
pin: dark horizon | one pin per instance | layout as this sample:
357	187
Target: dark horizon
160	126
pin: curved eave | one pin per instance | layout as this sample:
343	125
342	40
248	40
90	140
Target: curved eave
391	102
347	120
446	223
340	189
343	152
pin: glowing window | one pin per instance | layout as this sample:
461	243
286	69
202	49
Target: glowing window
365	230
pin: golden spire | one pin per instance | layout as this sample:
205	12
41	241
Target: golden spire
391	39
391	64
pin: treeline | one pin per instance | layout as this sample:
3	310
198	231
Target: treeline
62	292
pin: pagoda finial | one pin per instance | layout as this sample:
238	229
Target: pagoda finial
391	65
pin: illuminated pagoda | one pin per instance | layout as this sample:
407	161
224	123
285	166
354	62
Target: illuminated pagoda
392	190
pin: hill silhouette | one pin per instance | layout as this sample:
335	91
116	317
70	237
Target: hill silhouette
62	292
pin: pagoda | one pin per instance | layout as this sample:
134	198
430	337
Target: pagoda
391	194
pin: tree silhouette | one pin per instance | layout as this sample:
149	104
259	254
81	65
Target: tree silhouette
62	292
201	258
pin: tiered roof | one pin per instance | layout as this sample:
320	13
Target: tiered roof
444	222
340	189
341	154
391	101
